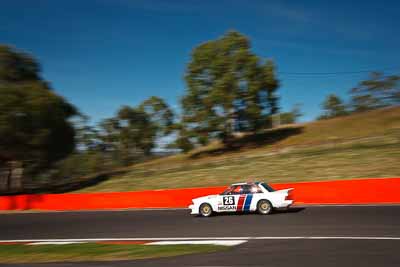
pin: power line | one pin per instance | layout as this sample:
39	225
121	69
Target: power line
337	73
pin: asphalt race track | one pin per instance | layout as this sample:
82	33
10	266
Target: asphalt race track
342	235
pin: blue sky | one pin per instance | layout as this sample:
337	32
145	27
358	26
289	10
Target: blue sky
101	54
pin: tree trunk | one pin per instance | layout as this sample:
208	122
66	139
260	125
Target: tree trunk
11	176
5	176
16	175
229	127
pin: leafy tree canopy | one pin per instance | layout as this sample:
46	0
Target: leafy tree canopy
17	66
160	114
34	121
333	107
228	88
133	132
377	91
289	117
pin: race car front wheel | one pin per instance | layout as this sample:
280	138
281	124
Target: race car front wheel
205	210
264	207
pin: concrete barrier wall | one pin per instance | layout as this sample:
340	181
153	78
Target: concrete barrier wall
358	191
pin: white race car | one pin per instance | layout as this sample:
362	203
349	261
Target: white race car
242	197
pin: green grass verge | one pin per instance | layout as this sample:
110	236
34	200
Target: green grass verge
95	252
357	146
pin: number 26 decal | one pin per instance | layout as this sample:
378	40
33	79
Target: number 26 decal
229	200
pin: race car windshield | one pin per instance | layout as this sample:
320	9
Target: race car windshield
268	187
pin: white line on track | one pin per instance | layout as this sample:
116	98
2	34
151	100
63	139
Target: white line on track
54	243
199	242
204	238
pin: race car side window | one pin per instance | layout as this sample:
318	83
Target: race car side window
255	189
247	189
237	190
268	187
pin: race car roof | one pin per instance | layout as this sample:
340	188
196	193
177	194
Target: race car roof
243	183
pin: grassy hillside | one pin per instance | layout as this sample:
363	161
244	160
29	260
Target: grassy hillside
356	146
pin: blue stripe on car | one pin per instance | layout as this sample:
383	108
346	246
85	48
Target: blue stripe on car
248	202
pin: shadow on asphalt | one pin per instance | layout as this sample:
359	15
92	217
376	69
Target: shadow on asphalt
290	210
274	213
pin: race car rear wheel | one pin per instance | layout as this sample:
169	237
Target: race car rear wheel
205	210
264	207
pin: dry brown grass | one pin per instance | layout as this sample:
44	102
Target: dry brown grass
356	146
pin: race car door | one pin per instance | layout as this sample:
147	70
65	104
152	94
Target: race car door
231	199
